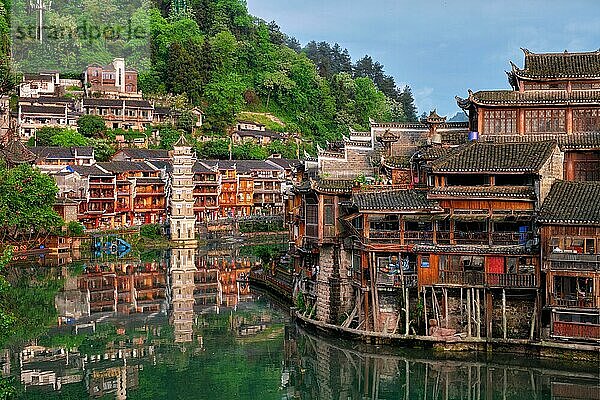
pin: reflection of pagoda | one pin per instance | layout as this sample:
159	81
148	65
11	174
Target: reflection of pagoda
181	274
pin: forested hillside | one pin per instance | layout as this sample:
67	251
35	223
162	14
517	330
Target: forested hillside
226	61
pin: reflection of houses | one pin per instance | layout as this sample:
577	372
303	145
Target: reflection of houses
124	287
570	237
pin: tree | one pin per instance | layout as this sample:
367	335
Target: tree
408	104
213	149
44	135
67	138
26	203
168	136
91	125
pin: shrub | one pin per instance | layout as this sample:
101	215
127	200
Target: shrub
151	231
75	228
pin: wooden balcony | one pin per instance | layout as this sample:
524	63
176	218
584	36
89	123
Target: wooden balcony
511	238
574	262
576	330
395	280
471	237
413	237
573	301
511	280
468	278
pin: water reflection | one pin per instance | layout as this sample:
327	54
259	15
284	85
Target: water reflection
185	324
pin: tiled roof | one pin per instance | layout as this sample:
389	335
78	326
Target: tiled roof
146	154
46	100
200	167
91	102
256	165
37	77
572	203
125	166
535	97
44	110
397	162
64	153
512	192
434	152
334	185
394	200
87	170
285	163
161	164
581	141
560	65
573	141
15	152
480	157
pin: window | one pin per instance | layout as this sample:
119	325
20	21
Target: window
545	121
586	120
500	121
546	86
328	212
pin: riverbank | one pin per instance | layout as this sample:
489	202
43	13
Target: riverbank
544	349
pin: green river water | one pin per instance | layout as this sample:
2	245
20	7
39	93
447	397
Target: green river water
181	325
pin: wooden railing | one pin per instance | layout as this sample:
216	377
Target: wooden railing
576	330
442	237
574	302
471	237
570	261
511	280
395	280
473	278
418	237
508	238
373	234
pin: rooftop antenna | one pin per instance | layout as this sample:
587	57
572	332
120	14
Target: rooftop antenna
40	6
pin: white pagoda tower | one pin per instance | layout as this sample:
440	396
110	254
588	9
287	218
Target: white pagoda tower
182	220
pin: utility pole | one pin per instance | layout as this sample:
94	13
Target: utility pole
40	6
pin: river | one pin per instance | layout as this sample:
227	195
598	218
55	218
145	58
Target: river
185	324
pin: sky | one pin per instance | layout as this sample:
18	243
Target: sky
440	48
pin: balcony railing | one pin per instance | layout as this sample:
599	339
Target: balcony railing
574	301
472	278
384	235
570	261
511	280
395	280
576	330
461	237
443	237
511	238
418	237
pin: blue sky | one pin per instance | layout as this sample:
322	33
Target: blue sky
440	48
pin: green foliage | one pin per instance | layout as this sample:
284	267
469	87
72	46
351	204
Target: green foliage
151	231
104	149
213	149
75	228
44	135
249	151
168	135
26	203
261	226
91	125
68	137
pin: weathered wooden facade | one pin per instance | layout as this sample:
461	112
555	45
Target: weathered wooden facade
570	236
554	96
